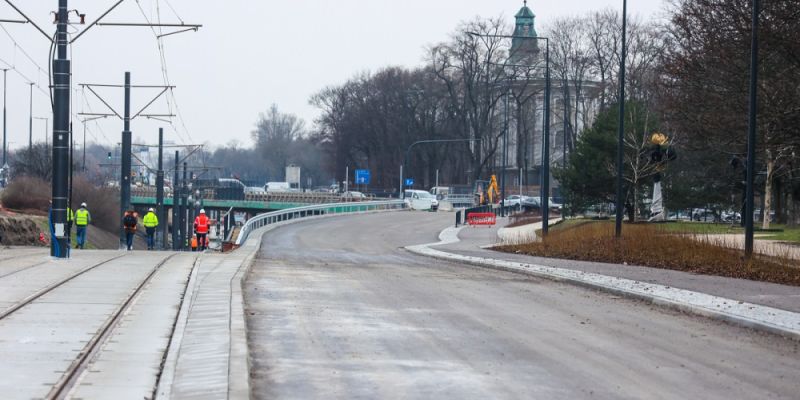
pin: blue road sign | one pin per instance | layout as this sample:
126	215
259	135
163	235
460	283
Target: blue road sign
362	176
409	181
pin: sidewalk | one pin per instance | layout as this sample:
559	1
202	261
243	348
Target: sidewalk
736	300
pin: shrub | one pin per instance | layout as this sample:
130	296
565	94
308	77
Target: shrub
102	203
27	193
653	246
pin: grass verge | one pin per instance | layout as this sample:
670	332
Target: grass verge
659	247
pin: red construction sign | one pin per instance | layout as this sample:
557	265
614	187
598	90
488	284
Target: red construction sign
481	219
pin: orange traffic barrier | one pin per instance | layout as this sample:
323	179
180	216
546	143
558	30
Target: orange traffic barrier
481	219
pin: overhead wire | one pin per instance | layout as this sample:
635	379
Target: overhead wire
172	103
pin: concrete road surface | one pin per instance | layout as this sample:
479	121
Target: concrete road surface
336	309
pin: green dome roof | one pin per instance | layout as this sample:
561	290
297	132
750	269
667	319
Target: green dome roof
525	12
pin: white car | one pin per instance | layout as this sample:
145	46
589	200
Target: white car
352	195
421	200
512	201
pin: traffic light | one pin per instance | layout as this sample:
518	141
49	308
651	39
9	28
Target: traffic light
109	155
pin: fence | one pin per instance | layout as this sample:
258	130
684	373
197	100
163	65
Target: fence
269	218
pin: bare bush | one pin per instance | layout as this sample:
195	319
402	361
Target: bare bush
102	203
27	193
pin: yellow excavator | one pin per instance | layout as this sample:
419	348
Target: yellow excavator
492	193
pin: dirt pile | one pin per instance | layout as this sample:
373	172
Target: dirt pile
19	231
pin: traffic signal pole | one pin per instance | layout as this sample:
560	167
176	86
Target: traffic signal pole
59	247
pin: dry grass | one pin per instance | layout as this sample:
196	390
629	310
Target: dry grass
653	246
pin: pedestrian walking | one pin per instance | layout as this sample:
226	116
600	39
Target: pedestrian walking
201	224
82	220
150	222
129	223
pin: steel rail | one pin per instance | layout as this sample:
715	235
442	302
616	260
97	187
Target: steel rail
28	300
87	354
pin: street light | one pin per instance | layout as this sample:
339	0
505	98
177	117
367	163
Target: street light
30	119
620	133
408	150
751	137
545	187
46	128
5	134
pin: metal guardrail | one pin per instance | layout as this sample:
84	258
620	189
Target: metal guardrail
269	218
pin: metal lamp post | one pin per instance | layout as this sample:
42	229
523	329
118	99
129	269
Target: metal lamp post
751	137
545	185
408	150
621	131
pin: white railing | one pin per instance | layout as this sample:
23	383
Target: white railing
262	220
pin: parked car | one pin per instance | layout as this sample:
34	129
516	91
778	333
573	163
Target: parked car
530	203
421	200
512	201
554	205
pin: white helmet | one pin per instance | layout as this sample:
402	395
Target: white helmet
150	209
83	205
202	211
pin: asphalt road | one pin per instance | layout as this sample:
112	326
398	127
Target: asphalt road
337	309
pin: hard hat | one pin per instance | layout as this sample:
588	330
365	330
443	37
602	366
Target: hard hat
150	209
83	204
202	211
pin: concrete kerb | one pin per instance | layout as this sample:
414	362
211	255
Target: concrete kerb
767	319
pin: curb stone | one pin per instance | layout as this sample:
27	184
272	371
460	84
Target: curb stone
763	318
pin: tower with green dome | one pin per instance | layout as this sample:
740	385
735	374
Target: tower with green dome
523	49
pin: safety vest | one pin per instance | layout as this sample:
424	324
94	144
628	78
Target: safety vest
201	223
70	216
150	220
82	217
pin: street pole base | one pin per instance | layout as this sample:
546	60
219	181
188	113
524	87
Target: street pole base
59	248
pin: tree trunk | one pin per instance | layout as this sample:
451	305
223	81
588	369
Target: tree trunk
768	190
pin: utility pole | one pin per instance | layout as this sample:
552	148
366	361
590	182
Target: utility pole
61	98
545	202
5	133
125	175
505	156
751	136
184	208
84	147
160	189
621	132
175	204
30	119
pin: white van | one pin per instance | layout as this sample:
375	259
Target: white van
421	200
277	187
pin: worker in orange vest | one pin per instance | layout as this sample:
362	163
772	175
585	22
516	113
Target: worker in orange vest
201	224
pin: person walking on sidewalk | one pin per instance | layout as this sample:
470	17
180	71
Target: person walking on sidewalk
201	224
82	219
129	223
150	222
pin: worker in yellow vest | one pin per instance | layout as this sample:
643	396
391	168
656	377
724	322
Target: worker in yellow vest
70	221
82	219
150	223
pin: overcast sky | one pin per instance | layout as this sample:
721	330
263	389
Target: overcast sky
248	55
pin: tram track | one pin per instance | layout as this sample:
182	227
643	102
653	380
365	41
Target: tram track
93	347
24	269
33	297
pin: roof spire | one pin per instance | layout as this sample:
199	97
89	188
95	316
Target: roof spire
526	2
